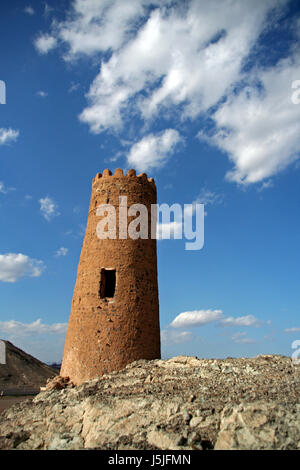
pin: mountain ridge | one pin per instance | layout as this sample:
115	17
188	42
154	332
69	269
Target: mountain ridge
22	373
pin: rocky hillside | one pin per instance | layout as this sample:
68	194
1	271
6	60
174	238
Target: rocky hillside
22	373
181	403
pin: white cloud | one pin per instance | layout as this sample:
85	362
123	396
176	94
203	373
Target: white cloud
42	93
44	43
292	330
159	51
62	251
167	230
153	150
18	329
196	318
176	58
14	266
96	26
48	208
185	61
178	228
175	337
247	320
203	317
260	128
8	135
29	10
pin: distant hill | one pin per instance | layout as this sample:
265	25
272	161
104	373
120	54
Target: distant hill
22	374
55	366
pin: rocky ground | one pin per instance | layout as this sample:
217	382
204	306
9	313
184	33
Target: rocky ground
181	403
8	401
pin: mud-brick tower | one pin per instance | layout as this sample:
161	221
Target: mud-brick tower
114	317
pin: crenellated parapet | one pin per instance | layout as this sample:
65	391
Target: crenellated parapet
119	174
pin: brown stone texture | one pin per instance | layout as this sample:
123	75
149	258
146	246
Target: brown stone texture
106	334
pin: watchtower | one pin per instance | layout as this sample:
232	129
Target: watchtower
114	316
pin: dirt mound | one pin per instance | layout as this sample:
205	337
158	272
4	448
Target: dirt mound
22	372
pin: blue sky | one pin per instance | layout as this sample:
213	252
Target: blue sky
199	96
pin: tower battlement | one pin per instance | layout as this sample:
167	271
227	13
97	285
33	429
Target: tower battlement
131	174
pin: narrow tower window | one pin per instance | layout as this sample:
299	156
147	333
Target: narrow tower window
107	283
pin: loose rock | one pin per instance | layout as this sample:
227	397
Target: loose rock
245	403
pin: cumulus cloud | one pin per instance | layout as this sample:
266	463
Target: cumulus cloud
98	26
176	221
45	43
48	208
196	318
167	230
8	135
153	150
184	60
175	337
176	59
179	330
247	320
14	266
259	128
19	329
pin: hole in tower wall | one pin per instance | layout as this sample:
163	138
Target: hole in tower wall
107	283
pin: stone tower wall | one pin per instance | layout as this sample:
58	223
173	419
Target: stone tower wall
105	334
